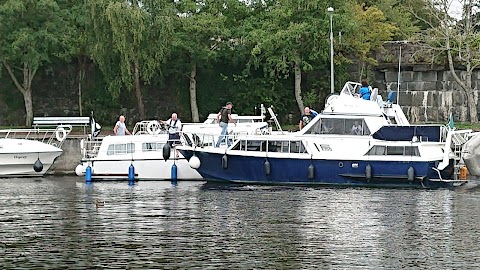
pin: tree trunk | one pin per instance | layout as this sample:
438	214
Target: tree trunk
138	91
193	93
25	88
81	77
298	87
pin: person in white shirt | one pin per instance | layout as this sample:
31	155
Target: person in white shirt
174	127
120	128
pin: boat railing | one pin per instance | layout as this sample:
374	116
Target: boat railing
151	127
90	147
53	136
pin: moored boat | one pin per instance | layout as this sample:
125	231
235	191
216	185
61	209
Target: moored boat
353	142
111	157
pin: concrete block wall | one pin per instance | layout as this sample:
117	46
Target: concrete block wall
427	95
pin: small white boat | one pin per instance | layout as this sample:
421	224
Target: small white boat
110	157
30	152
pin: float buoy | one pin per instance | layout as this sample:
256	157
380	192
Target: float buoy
79	170
174	172
153	127
368	172
410	173
166	151
131	172
266	165
311	171
88	174
194	162
225	162
38	165
60	134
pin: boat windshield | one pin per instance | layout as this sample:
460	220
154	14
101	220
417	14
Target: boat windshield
339	126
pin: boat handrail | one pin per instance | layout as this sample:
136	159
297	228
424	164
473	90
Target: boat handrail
53	136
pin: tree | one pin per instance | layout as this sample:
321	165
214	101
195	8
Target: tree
201	32
31	32
136	35
455	39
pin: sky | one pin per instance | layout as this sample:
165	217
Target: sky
456	9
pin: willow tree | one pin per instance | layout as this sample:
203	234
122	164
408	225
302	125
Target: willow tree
456	39
134	35
199	37
30	32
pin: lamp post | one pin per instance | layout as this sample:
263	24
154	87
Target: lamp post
332	86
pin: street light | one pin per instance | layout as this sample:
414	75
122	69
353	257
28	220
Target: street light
332	87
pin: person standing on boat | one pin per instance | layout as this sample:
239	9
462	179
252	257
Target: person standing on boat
174	128
120	128
365	90
223	117
307	117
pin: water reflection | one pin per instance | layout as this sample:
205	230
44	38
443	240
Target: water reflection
67	223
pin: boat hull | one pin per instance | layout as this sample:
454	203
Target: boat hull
249	169
150	169
21	164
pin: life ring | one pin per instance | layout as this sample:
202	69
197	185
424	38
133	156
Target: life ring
153	127
60	134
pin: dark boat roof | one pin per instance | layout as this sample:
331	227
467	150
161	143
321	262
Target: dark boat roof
429	133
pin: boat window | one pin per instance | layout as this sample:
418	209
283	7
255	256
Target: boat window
325	147
122	148
395	150
152	146
381	150
377	150
273	146
340	126
412	151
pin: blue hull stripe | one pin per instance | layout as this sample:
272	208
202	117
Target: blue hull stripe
243	169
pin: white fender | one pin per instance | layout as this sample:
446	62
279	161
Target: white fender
79	170
471	155
153	127
60	134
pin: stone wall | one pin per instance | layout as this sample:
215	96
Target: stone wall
428	93
69	159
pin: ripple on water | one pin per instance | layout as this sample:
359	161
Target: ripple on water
64	223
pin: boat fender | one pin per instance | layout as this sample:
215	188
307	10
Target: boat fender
153	127
410	173
463	173
82	144
60	134
194	162
131	172
225	162
79	170
174	172
38	165
368	172
166	151
311	171
267	167
88	174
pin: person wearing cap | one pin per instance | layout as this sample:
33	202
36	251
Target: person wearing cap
223	117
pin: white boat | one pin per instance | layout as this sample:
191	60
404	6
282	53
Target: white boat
387	151
110	157
30	152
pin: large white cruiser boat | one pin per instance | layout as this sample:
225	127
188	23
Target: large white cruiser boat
30	152
110	157
353	142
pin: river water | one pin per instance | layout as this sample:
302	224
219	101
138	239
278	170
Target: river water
64	223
